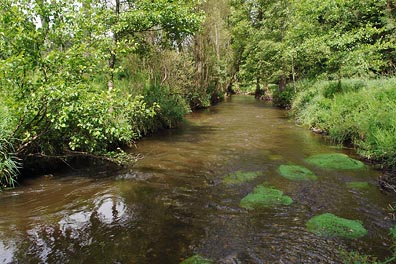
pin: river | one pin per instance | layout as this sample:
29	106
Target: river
173	204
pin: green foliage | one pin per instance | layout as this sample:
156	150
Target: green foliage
197	259
283	98
356	111
172	106
58	68
330	225
9	164
335	161
265	197
284	41
241	177
295	172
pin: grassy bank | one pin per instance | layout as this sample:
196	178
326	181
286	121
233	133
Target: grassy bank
352	111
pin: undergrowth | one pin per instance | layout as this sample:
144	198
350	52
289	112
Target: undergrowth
360	112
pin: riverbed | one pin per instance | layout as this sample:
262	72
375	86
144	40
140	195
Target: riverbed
173	204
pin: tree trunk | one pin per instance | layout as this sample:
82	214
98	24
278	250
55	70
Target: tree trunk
257	93
112	60
282	83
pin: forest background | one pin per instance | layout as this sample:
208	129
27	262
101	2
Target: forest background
91	77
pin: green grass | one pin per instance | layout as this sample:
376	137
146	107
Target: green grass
357	111
9	165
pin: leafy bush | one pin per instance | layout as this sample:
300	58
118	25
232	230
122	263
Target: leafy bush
170	104
283	98
76	118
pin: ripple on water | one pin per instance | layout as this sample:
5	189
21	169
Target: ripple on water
172	204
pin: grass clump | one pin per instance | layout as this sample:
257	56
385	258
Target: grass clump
197	259
330	225
9	165
335	161
354	111
358	185
295	172
265	197
241	177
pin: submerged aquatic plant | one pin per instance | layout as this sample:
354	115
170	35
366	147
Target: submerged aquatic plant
335	161
197	259
358	185
330	225
295	172
241	176
265	197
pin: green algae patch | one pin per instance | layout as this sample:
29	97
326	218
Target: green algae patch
329	225
197	259
358	185
275	157
298	173
265	197
241	177
335	161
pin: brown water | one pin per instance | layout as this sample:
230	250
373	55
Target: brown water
173	204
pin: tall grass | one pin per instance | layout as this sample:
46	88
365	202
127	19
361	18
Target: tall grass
9	165
361	112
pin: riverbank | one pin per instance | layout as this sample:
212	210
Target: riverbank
178	200
61	124
350	111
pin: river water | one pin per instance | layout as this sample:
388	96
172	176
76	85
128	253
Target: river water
173	204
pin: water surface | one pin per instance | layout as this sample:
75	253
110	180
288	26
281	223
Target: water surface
172	204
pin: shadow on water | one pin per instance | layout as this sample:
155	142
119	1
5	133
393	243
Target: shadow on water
173	203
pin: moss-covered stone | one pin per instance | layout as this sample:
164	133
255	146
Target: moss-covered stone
265	197
358	185
330	225
241	176
295	172
335	161
197	259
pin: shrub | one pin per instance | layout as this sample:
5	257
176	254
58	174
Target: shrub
283	98
171	106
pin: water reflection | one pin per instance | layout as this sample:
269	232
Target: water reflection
47	238
173	203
